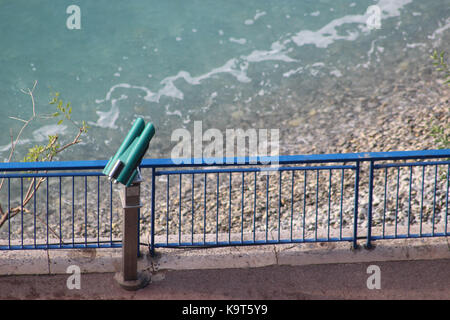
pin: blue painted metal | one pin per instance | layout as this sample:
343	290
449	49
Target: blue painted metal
409	200
385	200
434	197
304	204
296	159
369	209
217	209
446	199
341	204
421	201
192	208
282	160
355	212
204	208
153	213
397	200
329	203
291	219
292	202
279	205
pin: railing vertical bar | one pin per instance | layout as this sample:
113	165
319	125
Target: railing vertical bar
138	222
60	213
385	201
329	204
396	201
192	208
85	210
153	213
304	204
356	201
267	207
217	208
9	213
434	197
204	208
421	201
73	210
242	208
279	204
98	210
317	206
110	212
47	212
34	212
369	209
229	212
254	209
341	204
446	200
179	211
292	202
21	210
167	211
409	200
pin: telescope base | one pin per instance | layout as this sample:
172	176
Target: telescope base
132	285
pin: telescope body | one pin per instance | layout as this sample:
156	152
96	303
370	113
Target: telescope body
122	167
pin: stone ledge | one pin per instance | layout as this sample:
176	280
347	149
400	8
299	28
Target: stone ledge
108	260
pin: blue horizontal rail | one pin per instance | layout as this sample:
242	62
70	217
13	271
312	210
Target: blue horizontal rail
281	160
193	171
411	164
52	174
247	243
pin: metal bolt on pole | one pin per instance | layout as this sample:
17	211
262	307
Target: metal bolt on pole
129	278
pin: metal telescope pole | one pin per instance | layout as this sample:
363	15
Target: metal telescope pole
129	278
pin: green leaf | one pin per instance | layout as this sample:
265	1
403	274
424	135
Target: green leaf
60	121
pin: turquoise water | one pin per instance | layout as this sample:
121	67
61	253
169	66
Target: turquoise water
173	62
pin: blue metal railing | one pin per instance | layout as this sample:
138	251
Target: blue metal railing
231	201
70	198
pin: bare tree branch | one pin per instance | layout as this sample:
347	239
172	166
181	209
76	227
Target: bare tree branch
49	151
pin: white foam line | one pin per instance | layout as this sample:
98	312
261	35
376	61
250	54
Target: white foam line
328	34
238	67
440	30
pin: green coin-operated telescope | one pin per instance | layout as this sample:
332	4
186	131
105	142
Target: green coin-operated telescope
123	166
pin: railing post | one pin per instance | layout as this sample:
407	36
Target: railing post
355	214
369	208
152	227
128	277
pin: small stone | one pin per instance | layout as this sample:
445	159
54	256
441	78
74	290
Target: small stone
236	115
295	122
404	65
312	112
